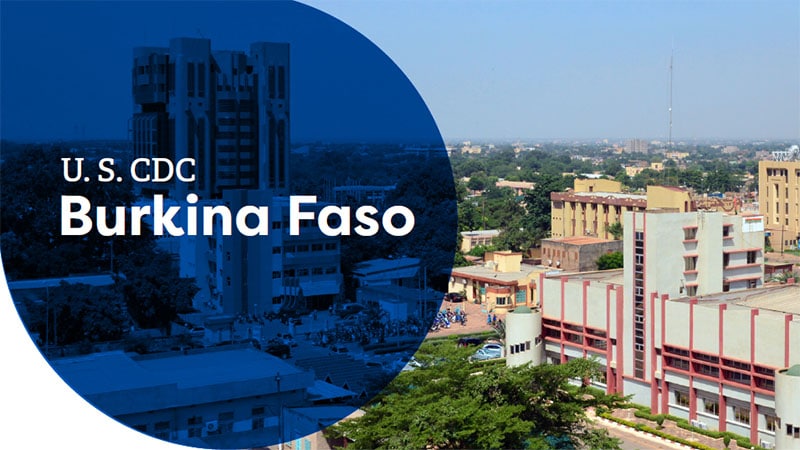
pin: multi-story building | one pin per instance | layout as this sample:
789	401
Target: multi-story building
636	146
593	205
668	334
519	187
472	239
779	201
227	110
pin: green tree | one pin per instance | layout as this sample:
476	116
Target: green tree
613	260
451	403
615	229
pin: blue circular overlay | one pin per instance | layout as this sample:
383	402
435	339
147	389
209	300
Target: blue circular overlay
260	241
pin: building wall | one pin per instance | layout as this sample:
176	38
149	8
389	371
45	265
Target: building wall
779	200
787	388
668	198
596	185
576	257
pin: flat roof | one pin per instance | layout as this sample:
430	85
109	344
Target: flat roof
578	240
619	195
121	383
91	280
613	276
506	277
781	299
480	233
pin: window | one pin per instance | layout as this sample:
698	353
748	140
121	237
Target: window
726	230
741	414
690	233
195	426
691	291
161	430
752	284
330	270
276	250
773	423
711	407
302	272
226	422
276	274
330	246
276	300
258	414
726	259
316	247
751	257
682	398
316	271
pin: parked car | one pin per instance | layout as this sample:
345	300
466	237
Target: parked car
349	309
484	354
454	297
467	341
493	347
339	349
279	350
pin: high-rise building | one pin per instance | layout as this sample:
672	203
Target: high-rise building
636	146
227	110
779	201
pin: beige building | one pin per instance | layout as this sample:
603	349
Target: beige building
502	283
668	335
519	187
576	253
779	201
472	239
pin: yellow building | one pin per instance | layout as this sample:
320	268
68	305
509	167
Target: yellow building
632	171
779	201
597	185
588	210
502	283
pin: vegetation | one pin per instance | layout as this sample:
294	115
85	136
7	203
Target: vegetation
444	405
613	260
148	290
615	229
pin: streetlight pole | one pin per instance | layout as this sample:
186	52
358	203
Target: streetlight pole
280	411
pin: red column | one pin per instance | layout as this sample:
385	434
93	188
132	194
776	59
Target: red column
692	392
753	407
723	409
620	346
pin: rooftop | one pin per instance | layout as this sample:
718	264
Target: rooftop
614	276
781	299
122	383
578	240
503	277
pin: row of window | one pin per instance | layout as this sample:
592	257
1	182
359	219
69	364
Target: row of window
739	413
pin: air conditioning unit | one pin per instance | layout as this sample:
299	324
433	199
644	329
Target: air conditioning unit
766	444
212	427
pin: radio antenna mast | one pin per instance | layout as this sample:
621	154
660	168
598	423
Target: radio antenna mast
671	55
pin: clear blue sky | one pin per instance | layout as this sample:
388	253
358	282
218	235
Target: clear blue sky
513	69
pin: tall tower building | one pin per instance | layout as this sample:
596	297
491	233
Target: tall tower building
227	110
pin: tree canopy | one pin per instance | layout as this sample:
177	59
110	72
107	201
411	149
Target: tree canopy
452	403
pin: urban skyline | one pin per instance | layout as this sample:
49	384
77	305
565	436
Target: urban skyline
510	71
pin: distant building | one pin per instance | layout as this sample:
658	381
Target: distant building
472	239
357	195
779	201
636	146
576	253
519	187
